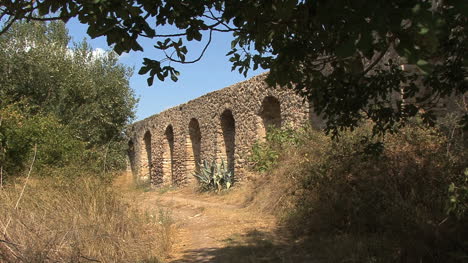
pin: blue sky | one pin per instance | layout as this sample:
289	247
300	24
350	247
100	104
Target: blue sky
213	72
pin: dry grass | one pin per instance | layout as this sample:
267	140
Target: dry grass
77	220
351	206
276	190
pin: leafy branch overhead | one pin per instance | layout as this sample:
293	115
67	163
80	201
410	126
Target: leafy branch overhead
384	60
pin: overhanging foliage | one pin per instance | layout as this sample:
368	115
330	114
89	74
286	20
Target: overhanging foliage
345	57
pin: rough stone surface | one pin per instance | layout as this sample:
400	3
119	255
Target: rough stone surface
223	124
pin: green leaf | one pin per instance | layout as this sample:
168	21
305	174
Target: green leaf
416	9
160	76
143	70
423	30
421	62
150	80
451	188
234	43
197	35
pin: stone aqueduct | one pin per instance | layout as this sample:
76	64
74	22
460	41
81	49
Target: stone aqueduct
167	147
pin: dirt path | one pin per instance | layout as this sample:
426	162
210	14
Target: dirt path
207	226
210	227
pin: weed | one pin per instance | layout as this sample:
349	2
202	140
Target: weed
166	222
166	188
143	185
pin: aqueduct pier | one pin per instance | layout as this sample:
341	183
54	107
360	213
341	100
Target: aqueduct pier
167	147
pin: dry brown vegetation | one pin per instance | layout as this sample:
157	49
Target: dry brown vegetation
344	202
77	220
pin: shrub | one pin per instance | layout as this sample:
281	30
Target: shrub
458	197
19	134
59	149
265	153
405	202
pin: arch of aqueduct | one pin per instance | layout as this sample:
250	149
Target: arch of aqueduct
224	124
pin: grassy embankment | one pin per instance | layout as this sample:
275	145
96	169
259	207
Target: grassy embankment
356	200
77	220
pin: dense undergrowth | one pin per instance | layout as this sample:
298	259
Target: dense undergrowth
76	220
398	198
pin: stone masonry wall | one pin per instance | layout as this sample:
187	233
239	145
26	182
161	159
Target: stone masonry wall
223	124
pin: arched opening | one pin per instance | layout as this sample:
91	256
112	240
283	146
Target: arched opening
131	156
146	156
168	154
193	148
270	114
227	144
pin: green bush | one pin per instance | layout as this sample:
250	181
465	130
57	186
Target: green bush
265	153
58	149
405	202
458	197
53	142
60	99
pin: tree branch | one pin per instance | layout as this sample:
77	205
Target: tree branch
196	60
376	61
49	18
8	25
171	35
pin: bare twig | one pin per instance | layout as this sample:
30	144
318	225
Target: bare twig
8	242
10	245
171	35
52	18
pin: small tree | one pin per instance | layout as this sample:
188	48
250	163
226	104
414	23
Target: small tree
64	99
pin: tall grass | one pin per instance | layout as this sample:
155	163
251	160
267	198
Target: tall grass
76	220
358	200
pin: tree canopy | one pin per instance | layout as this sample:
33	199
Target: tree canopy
67	100
350	59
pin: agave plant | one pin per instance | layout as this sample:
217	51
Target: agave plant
225	174
214	176
205	175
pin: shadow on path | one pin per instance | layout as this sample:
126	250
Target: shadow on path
252	247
